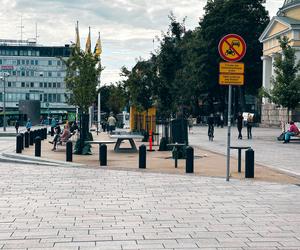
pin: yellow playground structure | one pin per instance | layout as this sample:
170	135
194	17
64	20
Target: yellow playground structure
140	121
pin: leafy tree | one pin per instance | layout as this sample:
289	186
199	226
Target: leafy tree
286	84
82	74
83	70
247	18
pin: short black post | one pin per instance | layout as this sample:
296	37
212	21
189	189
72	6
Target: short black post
142	156
103	155
22	141
239	160
189	163
19	144
37	148
249	166
45	133
26	139
31	138
69	151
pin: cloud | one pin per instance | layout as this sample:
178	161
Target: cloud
127	26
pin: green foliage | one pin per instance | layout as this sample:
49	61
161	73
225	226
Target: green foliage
83	70
286	84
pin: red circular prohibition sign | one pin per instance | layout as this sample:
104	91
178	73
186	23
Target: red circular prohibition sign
232	48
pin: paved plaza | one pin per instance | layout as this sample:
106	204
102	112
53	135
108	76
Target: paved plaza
268	151
78	208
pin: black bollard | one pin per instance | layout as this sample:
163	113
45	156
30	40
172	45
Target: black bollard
249	163
103	155
26	139
19	144
189	163
31	138
142	156
45	133
22	141
69	151
37	142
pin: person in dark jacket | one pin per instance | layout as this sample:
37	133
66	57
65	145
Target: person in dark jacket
240	119
17	125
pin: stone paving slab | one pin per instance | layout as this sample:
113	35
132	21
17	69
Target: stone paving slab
43	207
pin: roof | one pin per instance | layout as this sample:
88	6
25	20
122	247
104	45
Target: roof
287	21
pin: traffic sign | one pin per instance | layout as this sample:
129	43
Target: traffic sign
232	68
231	79
232	48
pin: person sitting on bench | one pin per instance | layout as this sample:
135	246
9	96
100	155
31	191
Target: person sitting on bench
56	138
64	137
293	130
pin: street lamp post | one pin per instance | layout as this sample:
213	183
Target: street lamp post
5	74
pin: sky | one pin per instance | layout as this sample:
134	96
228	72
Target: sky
127	27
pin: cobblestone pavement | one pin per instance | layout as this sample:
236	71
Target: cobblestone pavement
44	207
268	151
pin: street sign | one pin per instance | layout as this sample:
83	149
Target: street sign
232	48
7	67
230	79
232	68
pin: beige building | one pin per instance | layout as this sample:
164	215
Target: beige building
286	23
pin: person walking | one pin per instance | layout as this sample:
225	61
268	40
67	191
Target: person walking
111	123
249	126
28	125
240	120
53	125
211	123
17	125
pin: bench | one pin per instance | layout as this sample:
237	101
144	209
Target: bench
295	137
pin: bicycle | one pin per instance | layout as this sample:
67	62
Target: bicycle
211	132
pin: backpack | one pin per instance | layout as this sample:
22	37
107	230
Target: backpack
281	137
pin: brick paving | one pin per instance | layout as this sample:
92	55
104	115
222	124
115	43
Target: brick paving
45	207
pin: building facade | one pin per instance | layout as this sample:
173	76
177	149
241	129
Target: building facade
285	23
33	72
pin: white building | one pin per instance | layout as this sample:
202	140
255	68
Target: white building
286	23
35	72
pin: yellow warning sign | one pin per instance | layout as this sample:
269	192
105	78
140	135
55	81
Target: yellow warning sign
230	79
232	68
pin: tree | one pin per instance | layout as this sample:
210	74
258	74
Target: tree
247	18
286	83
83	71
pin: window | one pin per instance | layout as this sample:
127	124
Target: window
32	84
14	73
27	73
23	73
45	98
27	62
58	63
50	62
41	97
27	84
45	85
58	98
58	85
32	73
0	61
1	97
36	62
50	97
23	84
18	62
32	62
41	84
8	84
27	96
49	85
50	74
23	62
54	85
58	74
54	97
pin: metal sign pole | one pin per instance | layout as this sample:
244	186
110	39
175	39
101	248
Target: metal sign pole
229	132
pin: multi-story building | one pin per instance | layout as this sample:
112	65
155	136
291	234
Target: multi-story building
33	72
285	23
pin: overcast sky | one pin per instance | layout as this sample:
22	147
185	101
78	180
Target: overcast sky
127	26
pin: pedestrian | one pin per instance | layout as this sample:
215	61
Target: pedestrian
111	123
28	125
240	120
249	126
53	125
190	123
293	130
17	125
222	120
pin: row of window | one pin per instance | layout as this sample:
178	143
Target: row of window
34	84
21	52
32	73
30	62
16	97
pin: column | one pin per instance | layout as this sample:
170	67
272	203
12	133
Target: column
267	73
